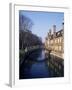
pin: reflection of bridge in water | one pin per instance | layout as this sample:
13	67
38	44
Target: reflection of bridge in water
37	63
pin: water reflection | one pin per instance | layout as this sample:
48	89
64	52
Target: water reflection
41	56
37	64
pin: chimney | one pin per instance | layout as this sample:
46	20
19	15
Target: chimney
49	31
63	25
54	29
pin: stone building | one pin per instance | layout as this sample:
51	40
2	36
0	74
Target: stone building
55	41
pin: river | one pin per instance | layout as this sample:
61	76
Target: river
38	65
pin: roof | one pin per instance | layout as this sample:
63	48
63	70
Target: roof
57	34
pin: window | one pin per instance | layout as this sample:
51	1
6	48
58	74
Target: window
59	48
60	39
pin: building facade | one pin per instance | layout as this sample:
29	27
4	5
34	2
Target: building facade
55	41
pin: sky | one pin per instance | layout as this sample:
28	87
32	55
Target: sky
43	21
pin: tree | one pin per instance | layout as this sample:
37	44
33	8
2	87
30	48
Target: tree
25	23
26	38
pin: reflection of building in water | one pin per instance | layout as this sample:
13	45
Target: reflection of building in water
55	41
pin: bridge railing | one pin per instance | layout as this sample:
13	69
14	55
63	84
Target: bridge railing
27	50
31	48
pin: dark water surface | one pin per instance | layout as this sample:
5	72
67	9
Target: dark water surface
37	64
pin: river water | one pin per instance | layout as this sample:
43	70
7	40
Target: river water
38	65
